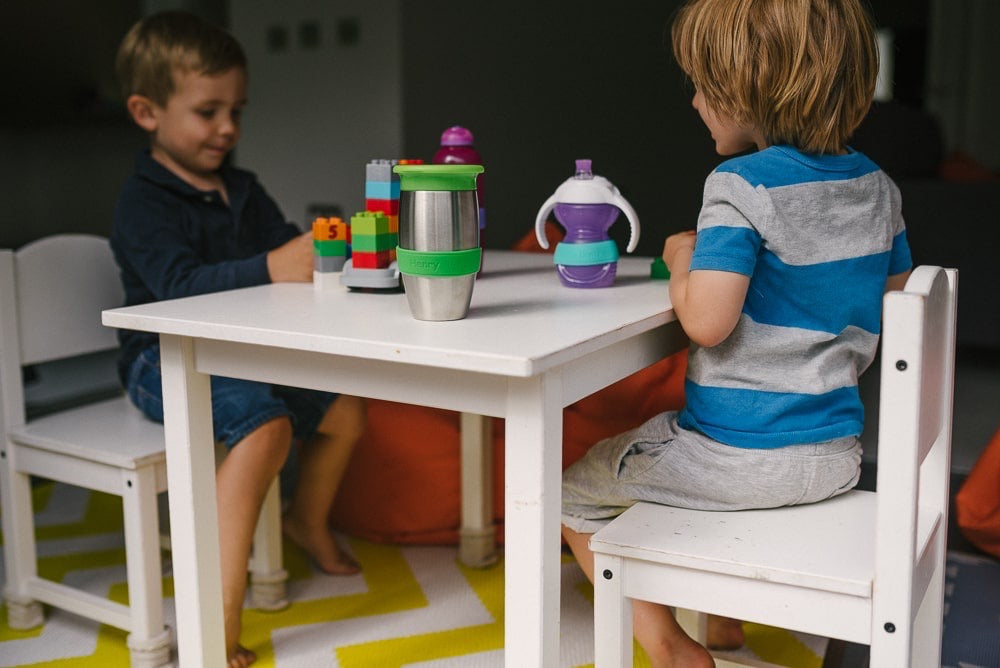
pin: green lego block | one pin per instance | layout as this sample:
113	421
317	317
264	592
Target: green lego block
658	269
370	223
373	243
328	248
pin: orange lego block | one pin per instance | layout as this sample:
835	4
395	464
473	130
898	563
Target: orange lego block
329	229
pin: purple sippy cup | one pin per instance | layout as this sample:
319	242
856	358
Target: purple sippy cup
457	149
586	205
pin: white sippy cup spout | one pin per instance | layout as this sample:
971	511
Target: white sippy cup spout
540	219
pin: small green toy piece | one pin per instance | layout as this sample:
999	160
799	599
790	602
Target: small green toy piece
658	270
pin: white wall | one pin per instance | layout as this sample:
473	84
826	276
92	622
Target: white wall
317	115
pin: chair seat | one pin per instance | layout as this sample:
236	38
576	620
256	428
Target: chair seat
111	432
828	546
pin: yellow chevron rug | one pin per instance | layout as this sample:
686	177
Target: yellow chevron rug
412	606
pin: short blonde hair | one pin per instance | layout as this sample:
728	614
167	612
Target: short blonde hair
802	72
160	44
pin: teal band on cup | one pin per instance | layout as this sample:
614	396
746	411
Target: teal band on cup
438	263
437	177
585	254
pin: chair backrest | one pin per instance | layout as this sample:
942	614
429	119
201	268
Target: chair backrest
914	448
52	292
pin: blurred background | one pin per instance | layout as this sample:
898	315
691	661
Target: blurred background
336	83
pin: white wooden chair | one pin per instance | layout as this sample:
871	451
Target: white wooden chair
866	567
52	292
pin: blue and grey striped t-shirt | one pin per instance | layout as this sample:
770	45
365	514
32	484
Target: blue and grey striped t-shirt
818	236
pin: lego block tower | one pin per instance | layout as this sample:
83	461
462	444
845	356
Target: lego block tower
382	191
375	231
330	239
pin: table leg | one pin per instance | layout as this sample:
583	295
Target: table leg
194	529
532	499
477	546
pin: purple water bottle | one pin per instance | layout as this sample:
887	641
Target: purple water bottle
586	205
457	149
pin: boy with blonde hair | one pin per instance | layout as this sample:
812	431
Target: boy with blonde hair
189	223
779	290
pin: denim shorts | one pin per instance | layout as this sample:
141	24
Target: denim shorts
662	462
238	406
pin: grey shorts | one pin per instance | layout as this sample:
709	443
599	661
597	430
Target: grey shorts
664	463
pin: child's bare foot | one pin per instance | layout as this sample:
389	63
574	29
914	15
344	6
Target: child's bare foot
321	546
685	654
240	657
725	633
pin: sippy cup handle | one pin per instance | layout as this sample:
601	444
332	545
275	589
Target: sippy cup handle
543	214
633	221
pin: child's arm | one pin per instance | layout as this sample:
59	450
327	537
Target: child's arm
897	282
292	261
166	253
708	303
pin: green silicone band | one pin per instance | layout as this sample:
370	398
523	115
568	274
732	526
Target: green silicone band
437	177
438	263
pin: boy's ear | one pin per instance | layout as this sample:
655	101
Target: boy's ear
142	111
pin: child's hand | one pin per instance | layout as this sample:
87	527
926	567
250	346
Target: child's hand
292	261
675	243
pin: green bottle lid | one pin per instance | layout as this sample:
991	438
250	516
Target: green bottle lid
437	177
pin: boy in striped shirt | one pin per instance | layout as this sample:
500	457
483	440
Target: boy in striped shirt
779	289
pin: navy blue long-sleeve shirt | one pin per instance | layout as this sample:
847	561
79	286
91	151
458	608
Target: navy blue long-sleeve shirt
172	240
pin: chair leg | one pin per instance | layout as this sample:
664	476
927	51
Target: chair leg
149	640
19	545
612	614
23	614
477	542
154	654
267	574
891	648
928	626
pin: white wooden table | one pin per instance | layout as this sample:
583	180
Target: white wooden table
528	348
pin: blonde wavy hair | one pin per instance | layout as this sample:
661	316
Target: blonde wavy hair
160	44
802	72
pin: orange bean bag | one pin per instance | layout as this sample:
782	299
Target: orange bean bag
403	482
402	485
977	503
